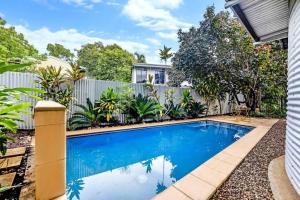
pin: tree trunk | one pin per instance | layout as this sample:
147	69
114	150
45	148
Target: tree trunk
220	105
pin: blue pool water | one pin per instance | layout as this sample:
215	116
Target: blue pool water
140	163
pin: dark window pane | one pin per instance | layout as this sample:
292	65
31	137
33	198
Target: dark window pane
141	75
159	77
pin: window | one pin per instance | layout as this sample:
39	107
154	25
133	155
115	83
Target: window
159	77
141	75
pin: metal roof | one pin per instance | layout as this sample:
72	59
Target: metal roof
151	65
265	20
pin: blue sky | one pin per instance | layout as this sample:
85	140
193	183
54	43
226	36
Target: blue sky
141	26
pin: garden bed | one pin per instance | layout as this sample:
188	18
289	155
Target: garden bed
250	179
22	139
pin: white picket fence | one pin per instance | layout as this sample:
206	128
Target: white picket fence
89	88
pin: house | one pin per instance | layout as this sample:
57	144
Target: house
142	71
55	62
268	20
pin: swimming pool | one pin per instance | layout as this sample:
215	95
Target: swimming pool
140	163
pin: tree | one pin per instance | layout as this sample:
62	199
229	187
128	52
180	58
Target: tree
221	54
106	62
165	54
59	51
140	58
13	45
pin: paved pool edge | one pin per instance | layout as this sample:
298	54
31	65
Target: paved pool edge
204	181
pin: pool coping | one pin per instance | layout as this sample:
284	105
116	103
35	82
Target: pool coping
203	182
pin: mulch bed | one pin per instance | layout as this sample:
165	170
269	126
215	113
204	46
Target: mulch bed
250	179
23	139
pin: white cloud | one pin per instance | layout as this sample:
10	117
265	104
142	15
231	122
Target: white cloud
154	14
72	39
169	36
88	4
113	3
154	41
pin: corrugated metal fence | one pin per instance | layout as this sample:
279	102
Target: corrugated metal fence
89	88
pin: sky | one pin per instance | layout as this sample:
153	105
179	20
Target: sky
142	26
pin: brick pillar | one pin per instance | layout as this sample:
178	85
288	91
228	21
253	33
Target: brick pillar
50	149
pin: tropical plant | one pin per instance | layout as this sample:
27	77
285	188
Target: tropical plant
86	117
140	58
144	108
76	72
126	98
57	86
186	100
196	109
108	103
176	112
165	54
10	106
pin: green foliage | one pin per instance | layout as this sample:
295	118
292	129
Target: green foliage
191	108
57	86
126	98
108	103
186	100
76	72
88	116
144	108
59	51
176	112
196	109
11	108
140	58
165	54
219	57
106	62
13	45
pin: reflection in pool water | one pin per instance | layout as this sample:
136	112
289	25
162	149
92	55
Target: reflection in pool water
140	163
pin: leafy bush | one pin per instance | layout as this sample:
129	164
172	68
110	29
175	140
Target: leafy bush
176	112
108	103
196	109
56	84
10	106
186	100
86	117
144	108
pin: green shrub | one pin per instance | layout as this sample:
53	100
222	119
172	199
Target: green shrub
108	103
86	117
144	108
57	86
176	112
10	106
196	109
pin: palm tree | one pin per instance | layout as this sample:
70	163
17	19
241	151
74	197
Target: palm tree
165	54
140	58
